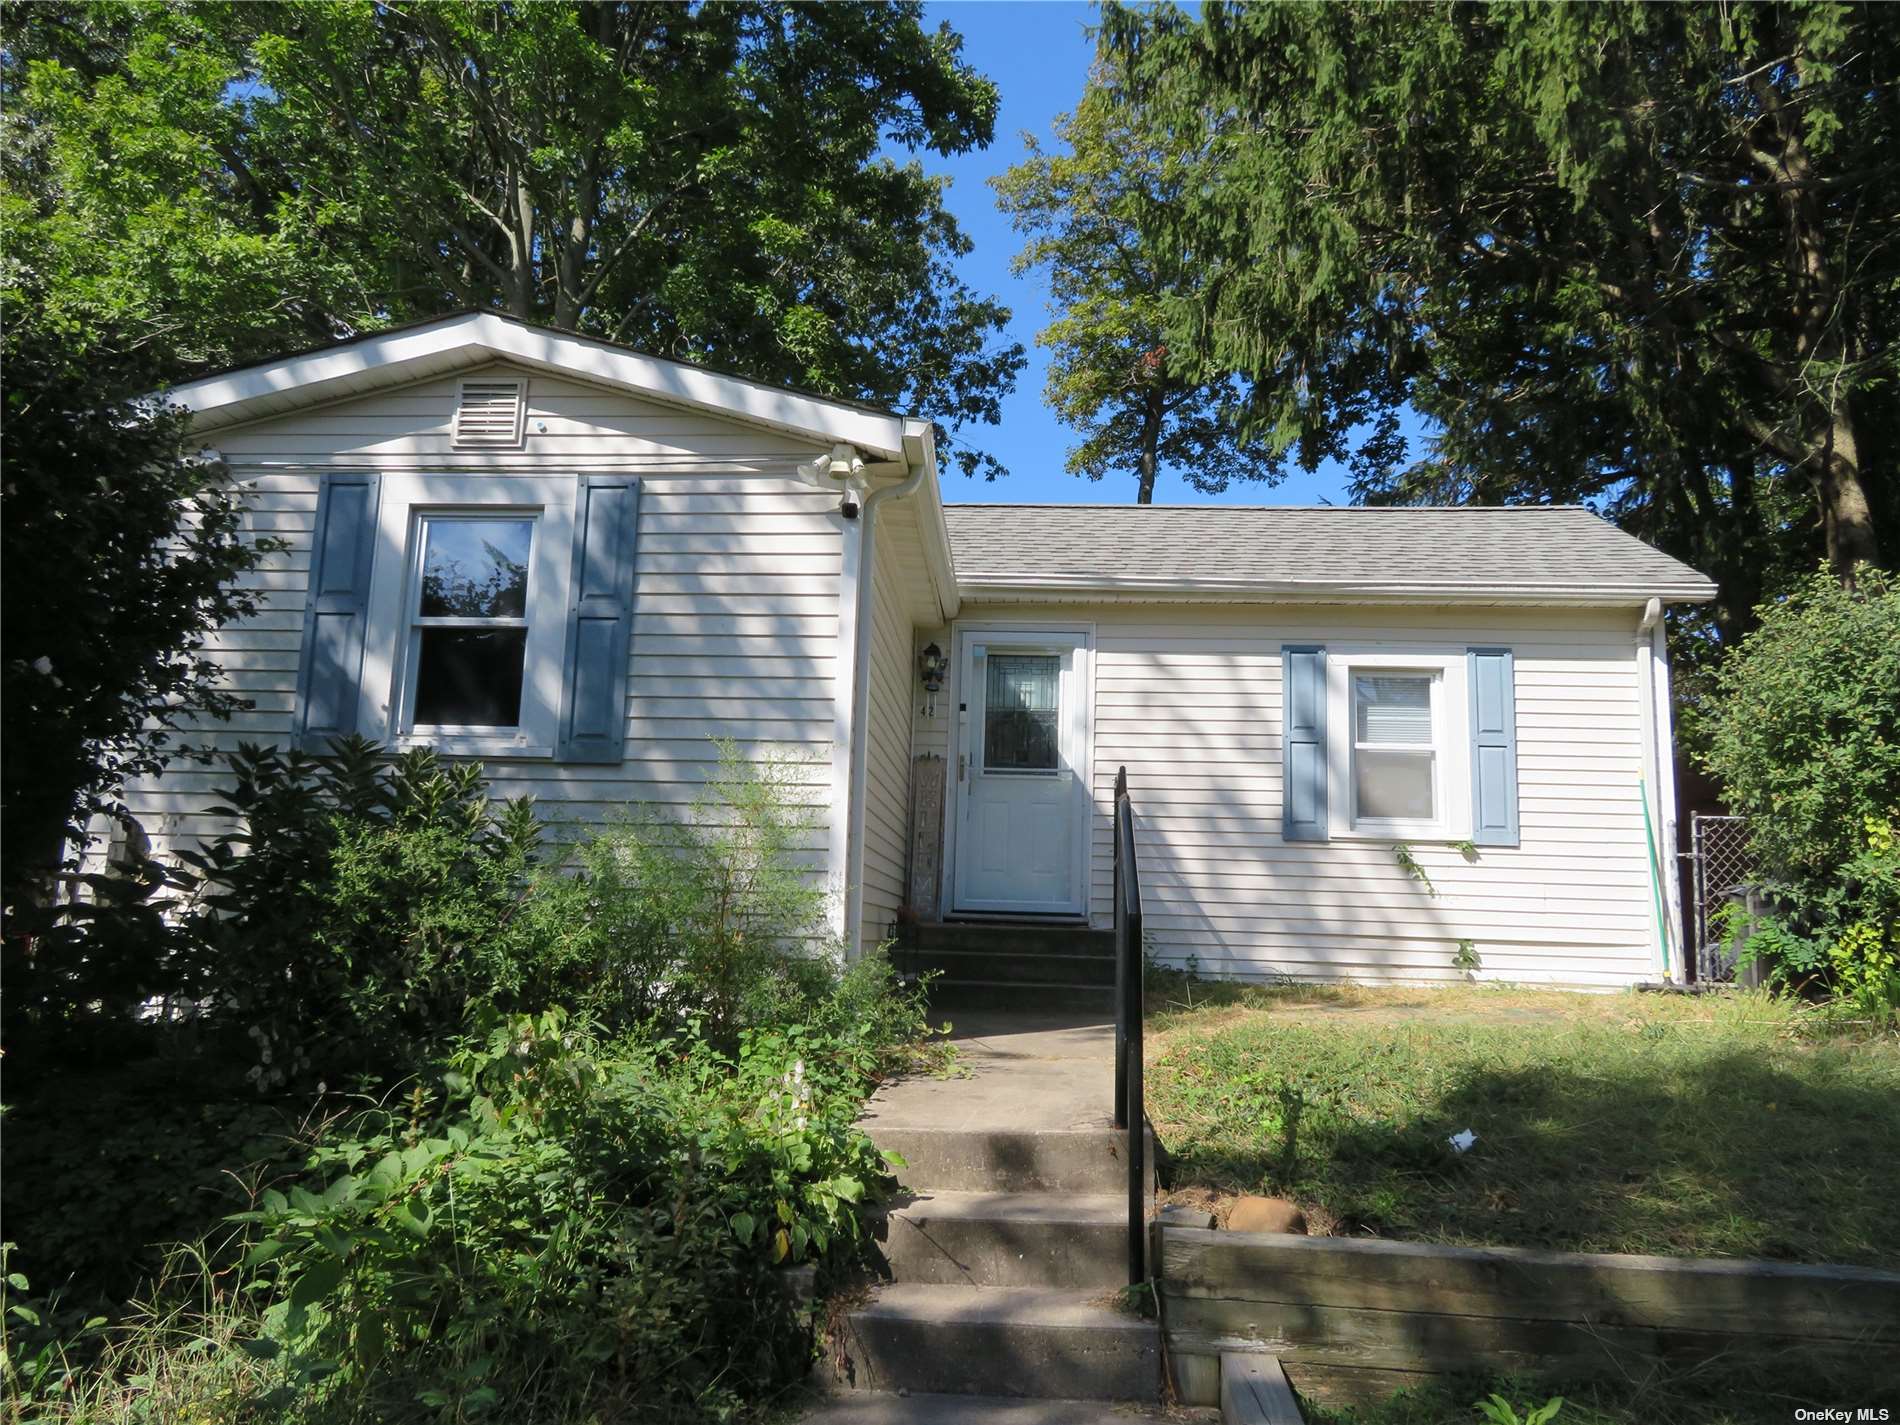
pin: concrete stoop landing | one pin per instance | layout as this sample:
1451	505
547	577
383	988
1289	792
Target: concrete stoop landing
1006	1251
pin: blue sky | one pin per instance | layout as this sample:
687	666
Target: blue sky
1038	53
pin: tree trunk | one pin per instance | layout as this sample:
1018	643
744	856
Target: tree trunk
1846	518
1822	323
1149	464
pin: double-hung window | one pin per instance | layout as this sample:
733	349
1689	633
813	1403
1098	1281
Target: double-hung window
1382	744
467	628
1397	758
1394	754
470	622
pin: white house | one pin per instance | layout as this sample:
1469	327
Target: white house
1303	698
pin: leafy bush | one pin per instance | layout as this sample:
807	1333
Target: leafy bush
709	918
105	1170
81	969
631	1081
1852	944
358	910
571	1228
1805	738
363	908
120	551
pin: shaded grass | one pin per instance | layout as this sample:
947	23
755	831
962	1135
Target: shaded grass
1719	1126
1728	1395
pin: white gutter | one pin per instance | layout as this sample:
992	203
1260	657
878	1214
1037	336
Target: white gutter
979	586
865	607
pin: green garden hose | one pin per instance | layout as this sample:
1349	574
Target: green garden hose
1655	875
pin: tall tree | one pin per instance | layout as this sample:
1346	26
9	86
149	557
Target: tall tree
1642	256
120	552
704	181
1112	377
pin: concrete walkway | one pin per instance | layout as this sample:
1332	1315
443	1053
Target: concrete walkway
1017	1070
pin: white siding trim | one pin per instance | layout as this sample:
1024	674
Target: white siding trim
1666	789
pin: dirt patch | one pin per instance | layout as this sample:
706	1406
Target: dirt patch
1319	1222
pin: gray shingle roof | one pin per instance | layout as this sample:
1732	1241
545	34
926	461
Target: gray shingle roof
1527	552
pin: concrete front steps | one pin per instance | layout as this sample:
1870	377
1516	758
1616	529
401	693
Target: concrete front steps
1021	1341
1009	1239
1014	965
1007	1251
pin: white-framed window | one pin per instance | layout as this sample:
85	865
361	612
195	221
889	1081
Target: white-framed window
469	621
1397	754
467	627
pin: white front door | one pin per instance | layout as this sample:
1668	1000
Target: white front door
1022	794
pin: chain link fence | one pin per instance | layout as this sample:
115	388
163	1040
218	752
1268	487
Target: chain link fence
1721	869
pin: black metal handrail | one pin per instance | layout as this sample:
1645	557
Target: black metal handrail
1129	1106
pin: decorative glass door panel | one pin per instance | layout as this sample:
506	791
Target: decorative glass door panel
1022	711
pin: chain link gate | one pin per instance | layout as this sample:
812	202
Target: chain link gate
1718	856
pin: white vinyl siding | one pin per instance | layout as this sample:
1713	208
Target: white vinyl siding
900	591
735	621
1188	698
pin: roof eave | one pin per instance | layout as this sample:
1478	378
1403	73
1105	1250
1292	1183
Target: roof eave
920	448
251	392
978	587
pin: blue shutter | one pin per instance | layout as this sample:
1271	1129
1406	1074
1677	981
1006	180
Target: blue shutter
1303	739
600	621
1493	748
342	550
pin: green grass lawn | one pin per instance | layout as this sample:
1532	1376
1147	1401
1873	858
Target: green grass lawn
1717	1126
1718	1396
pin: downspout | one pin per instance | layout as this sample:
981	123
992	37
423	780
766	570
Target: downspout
861	703
1659	767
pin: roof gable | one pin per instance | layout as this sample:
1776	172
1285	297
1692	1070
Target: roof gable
473	339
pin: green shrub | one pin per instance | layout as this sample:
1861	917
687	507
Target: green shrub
630	1088
105	1171
1804	735
709	918
358	909
363	908
576	1227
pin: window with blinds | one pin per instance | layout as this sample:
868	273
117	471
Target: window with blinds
1394	748
489	413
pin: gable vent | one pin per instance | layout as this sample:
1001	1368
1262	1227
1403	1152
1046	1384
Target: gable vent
489	413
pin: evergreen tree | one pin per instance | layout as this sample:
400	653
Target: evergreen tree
1641	256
